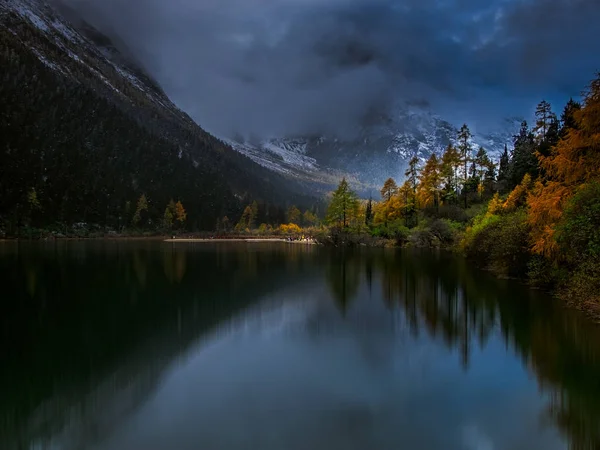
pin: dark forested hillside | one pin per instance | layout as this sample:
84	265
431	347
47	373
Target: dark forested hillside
84	134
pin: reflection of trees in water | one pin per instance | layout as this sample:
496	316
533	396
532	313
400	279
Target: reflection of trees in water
139	268
83	326
79	329
343	277
448	298
174	263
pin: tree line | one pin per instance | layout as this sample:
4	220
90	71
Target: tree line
535	213
74	151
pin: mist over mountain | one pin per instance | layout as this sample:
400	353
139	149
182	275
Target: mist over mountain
282	68
88	136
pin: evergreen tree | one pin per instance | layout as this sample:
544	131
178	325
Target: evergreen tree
343	207
412	173
482	163
369	212
464	150
504	171
408	201
449	172
489	179
524	159
169	215
567	118
546	128
543	117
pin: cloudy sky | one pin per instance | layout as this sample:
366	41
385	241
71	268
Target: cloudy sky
281	67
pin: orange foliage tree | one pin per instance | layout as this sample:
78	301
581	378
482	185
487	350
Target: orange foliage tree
574	162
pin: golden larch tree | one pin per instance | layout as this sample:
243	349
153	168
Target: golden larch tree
574	162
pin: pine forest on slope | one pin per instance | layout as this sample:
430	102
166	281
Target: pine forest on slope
85	133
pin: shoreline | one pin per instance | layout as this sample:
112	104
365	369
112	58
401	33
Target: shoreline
257	240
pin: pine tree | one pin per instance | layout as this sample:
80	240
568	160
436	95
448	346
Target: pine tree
449	172
567	117
369	212
504	170
169	215
489	180
412	173
464	150
343	207
481	164
546	129
524	158
406	194
543	116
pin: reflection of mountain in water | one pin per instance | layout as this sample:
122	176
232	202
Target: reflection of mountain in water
111	319
114	318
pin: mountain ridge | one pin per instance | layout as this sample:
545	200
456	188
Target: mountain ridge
380	150
88	133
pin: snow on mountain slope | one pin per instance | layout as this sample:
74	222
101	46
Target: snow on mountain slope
287	156
379	151
75	54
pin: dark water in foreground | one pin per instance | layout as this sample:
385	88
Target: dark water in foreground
278	346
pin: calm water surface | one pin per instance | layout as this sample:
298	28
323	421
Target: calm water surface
152	346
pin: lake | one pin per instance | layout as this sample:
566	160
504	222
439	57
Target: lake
151	345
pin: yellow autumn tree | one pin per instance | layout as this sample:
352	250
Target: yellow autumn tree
574	162
180	214
518	196
430	179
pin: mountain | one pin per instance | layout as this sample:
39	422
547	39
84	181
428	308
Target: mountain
85	131
380	149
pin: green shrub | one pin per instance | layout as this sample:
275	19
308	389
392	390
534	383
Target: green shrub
543	273
500	242
394	230
448	212
578	237
442	231
578	234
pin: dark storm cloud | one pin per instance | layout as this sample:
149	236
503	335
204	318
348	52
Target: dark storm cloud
273	67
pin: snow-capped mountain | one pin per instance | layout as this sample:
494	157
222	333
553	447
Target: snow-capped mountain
379	151
79	117
75	52
82	54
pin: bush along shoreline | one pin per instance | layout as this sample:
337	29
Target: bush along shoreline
534	215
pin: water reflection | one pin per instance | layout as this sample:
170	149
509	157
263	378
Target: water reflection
98	337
